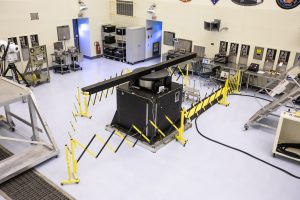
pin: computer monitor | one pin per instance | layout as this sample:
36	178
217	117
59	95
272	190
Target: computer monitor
184	44
58	45
169	38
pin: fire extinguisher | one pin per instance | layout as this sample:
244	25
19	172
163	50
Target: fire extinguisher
98	48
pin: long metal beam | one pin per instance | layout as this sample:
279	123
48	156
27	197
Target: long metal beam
98	87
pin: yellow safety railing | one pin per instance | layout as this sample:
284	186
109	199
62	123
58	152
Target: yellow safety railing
156	127
180	130
130	144
141	133
185	77
83	110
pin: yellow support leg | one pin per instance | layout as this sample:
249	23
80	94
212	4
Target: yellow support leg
237	82
72	178
179	136
83	112
225	89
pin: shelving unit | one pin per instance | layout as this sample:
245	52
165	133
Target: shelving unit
115	46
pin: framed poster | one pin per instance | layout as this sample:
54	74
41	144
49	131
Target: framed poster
245	50
258	53
223	48
233	50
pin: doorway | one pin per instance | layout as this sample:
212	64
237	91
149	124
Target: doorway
81	31
153	38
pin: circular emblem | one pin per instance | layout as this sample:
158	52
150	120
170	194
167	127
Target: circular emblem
248	2
288	4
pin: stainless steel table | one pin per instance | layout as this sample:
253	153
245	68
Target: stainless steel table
39	151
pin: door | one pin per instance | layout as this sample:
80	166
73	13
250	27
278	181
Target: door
153	38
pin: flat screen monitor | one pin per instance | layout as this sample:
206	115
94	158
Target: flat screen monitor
58	45
184	44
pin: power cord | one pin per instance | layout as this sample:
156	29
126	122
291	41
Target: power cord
244	152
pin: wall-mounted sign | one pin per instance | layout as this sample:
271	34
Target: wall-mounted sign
223	48
245	50
258	53
284	57
214	1
248	2
233	50
288	4
271	55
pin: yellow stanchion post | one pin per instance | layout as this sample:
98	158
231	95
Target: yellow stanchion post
237	82
179	136
225	89
83	112
72	177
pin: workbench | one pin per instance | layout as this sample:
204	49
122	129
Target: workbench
39	150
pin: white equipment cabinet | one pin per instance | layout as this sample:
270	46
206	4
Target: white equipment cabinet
135	44
288	131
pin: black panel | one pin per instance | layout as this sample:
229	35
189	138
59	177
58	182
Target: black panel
137	107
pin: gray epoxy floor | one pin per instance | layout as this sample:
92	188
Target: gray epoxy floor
201	170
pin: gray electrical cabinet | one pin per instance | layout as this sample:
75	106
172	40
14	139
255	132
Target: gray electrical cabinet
135	44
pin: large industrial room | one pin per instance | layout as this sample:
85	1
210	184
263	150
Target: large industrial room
150	99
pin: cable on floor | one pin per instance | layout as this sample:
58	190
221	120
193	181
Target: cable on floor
244	152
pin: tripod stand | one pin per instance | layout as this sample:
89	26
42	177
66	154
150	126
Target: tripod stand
15	73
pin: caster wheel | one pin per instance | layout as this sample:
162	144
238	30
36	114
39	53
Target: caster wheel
246	127
12	129
274	155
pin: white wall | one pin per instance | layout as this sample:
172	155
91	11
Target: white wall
15	20
84	36
265	25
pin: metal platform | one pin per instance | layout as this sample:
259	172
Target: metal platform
30	185
154	147
40	150
283	94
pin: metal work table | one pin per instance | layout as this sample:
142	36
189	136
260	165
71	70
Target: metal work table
261	79
232	68
40	150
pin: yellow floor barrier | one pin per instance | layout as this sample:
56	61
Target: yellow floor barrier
72	175
130	144
179	136
83	112
156	127
141	133
103	142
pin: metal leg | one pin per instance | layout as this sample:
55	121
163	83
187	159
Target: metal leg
33	118
9	120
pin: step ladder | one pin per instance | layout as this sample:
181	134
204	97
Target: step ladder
286	92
